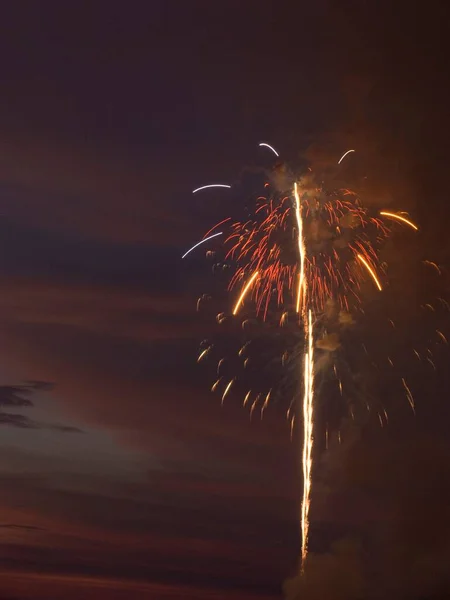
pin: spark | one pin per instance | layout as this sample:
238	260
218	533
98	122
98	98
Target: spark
270	148
211	185
397	217
214	387
247	397
344	155
442	336
201	242
203	354
227	389
432	264
409	396
244	292
371	271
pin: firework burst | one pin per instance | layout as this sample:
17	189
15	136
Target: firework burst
299	263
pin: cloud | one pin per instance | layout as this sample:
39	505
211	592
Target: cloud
12	395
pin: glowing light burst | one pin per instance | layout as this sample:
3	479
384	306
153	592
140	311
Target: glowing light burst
302	253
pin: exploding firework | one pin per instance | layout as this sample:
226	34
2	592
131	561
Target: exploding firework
297	269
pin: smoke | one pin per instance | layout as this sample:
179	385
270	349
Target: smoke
333	575
387	501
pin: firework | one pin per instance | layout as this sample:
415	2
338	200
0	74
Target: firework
299	259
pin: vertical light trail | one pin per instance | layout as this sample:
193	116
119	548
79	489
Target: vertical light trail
301	291
308	410
308	379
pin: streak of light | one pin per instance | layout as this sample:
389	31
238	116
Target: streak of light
370	270
442	336
266	402
203	353
253	406
270	148
201	242
326	438
301	250
211	185
283	319
244	292
409	396
242	350
247	397
219	364
308	438
417	354
432	264
397	217
227	389
344	155
216	226
214	387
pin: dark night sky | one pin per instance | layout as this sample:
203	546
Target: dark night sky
125	478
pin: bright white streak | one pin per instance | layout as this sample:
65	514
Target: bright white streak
211	185
344	155
270	147
308	439
201	242
301	250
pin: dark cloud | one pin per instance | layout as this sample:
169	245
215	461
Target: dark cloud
13	396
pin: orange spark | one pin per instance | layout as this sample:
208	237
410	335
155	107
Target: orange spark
243	293
371	271
397	217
